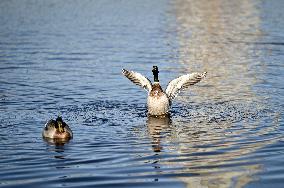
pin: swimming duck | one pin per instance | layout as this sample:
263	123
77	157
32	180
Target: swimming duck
57	129
159	101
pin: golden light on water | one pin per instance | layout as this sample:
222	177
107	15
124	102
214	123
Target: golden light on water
218	37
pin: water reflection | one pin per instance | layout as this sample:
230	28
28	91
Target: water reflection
57	145
58	142
218	153
219	36
53	63
156	126
56	149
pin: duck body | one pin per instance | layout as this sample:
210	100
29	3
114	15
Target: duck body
57	129
159	101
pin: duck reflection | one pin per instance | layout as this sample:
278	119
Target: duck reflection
157	127
57	142
56	149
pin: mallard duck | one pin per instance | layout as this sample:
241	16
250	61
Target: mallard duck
159	101
57	129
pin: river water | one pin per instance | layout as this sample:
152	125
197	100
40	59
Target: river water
65	58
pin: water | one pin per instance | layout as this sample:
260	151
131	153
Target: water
65	58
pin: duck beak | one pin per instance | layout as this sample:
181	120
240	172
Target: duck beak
60	127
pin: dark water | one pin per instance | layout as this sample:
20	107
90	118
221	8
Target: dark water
65	58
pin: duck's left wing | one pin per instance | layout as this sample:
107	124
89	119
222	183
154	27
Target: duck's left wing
182	82
138	79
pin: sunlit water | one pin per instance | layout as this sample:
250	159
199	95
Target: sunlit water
65	58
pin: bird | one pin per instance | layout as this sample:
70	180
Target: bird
158	100
57	129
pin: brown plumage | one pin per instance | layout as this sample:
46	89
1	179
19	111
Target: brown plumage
57	129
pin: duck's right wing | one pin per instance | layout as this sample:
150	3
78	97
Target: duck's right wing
182	82
138	79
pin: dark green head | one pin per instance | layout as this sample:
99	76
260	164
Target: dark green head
59	119
155	73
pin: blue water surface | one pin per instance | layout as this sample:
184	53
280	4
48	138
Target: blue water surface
65	58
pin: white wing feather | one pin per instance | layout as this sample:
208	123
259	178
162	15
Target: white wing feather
182	82
138	79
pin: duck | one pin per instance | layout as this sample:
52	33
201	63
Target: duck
57	129
158	100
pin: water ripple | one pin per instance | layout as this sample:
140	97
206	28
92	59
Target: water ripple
65	59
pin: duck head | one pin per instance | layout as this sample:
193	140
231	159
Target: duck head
155	73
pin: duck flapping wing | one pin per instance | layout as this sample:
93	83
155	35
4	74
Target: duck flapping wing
138	79
182	82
